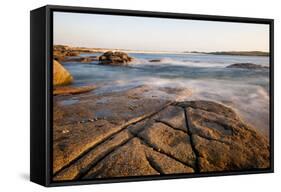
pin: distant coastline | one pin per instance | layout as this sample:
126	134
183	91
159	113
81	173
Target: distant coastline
102	50
238	53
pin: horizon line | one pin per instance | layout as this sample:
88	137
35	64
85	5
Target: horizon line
182	51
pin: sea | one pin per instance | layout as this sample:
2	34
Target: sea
205	75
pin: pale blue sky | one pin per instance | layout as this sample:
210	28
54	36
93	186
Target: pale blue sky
142	33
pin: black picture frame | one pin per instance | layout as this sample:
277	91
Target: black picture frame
41	41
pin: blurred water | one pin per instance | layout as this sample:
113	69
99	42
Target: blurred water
246	90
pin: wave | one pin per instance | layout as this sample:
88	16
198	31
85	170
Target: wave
213	89
178	62
250	101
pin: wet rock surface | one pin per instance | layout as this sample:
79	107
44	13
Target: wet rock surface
66	90
247	66
126	134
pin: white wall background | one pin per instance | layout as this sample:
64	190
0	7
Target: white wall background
14	102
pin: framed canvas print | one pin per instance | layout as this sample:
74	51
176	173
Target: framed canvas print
122	95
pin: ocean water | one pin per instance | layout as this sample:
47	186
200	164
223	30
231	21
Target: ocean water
245	90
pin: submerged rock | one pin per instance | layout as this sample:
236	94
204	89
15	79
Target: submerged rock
86	60
60	75
155	60
247	66
115	58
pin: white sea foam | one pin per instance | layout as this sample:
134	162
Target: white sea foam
250	101
170	61
204	75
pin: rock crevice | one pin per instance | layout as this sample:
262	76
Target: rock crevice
196	168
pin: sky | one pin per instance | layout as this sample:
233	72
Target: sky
157	34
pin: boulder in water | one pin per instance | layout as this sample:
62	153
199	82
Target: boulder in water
60	75
115	58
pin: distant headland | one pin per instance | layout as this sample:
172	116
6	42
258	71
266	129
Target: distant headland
103	50
238	53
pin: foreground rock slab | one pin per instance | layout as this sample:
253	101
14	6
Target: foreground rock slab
84	120
222	141
129	134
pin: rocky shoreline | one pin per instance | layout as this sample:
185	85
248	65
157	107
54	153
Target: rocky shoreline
143	131
112	57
